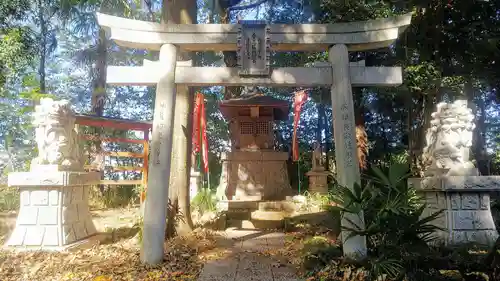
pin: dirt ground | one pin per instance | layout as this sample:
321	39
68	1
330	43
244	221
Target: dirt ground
117	257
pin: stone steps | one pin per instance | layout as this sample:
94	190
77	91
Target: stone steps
257	214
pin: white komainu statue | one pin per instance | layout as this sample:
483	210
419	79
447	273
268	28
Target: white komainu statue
56	136
449	139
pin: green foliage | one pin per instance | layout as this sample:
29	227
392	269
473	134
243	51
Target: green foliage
204	201
12	10
114	196
9	199
314	201
422	77
396	232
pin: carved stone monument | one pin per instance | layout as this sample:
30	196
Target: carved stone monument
318	176
253	170
54	210
453	183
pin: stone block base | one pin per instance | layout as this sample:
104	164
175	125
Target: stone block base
83	244
465	202
254	175
52	218
318	182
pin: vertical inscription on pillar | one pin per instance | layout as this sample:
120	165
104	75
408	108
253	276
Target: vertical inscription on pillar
253	48
347	134
161	128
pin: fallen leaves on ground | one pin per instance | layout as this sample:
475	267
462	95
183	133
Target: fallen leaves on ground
112	262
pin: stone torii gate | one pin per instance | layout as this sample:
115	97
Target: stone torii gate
253	40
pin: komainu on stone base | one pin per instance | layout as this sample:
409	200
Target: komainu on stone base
54	211
453	184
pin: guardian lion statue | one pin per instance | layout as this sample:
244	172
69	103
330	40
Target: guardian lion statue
449	140
55	136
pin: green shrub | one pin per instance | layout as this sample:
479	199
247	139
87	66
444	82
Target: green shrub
398	238
313	201
114	196
397	234
9	199
204	201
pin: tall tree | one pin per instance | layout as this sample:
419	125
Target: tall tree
18	86
179	214
230	58
80	16
45	15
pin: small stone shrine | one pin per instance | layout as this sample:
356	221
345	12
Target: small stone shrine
54	210
318	176
452	183
253	170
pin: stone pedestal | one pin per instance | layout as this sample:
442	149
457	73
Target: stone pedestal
194	184
54	210
254	175
318	181
466	204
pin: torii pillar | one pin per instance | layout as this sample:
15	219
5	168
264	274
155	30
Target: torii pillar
155	207
344	131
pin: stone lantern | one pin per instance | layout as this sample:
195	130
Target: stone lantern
318	176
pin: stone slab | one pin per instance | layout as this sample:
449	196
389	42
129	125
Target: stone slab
228	76
366	35
254	156
458	183
57	178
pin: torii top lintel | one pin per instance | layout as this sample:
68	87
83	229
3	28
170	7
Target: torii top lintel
358	36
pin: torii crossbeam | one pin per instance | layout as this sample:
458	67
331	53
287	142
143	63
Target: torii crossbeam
254	41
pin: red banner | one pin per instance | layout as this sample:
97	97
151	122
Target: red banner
204	140
196	123
299	100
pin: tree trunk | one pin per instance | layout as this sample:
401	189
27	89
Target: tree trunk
43	48
179	213
99	83
419	133
478	138
409	129
98	100
230	58
319	124
323	126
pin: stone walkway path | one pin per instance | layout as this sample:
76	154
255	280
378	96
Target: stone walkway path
245	264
